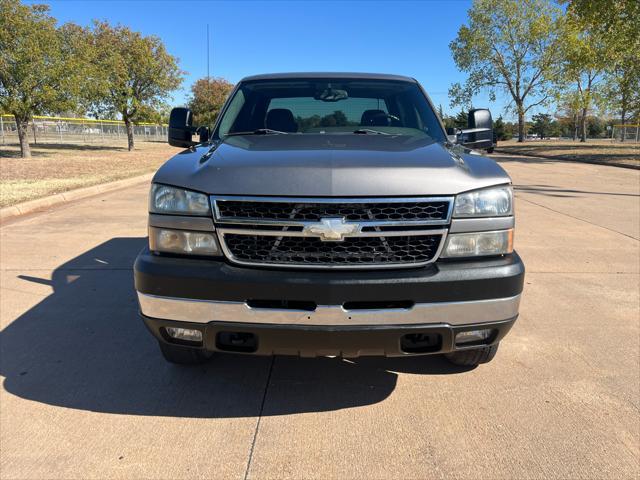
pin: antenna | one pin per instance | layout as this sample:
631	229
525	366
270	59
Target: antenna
207	52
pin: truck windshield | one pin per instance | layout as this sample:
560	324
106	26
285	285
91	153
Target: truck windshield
326	106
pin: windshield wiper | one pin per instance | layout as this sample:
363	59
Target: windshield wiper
365	131
259	131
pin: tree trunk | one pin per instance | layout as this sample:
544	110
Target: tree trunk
624	129
520	124
129	126
22	125
583	125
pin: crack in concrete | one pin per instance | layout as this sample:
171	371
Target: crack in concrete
255	433
577	218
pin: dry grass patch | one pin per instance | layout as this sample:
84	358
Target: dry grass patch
601	151
57	168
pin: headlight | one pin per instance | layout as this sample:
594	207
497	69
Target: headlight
490	202
183	242
164	199
478	244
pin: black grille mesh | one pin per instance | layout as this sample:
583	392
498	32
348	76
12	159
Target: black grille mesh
313	251
389	211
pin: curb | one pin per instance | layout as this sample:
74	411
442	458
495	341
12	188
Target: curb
31	206
559	159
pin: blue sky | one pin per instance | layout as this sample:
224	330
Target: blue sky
409	38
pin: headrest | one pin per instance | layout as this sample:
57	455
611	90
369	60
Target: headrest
281	119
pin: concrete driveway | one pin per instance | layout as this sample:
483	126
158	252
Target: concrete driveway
86	394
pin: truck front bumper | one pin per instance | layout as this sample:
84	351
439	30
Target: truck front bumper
346	313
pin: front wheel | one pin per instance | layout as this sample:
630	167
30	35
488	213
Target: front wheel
184	355
474	357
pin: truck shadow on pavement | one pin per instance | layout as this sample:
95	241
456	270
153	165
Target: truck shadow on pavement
84	347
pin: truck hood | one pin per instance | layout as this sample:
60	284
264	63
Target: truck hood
330	166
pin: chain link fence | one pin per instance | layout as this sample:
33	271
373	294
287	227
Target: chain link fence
78	131
626	133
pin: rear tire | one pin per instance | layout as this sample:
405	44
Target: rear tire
184	355
490	150
472	358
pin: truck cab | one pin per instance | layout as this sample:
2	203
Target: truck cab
330	214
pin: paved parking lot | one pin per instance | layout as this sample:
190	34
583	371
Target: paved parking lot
86	394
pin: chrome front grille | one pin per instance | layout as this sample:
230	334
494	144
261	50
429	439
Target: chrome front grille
332	233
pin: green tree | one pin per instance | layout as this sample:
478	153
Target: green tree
41	67
542	124
586	55
621	89
569	112
138	73
509	46
461	120
596	127
159	114
619	24
567	115
306	123
512	128
335	119
617	20
207	98
500	129
447	120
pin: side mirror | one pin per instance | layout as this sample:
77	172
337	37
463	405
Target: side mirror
452	134
479	135
204	134
181	128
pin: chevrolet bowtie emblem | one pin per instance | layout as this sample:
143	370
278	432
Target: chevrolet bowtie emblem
331	229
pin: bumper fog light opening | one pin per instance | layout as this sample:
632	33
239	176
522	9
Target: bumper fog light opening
474	337
184	334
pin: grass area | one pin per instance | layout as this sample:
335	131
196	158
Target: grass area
56	168
603	151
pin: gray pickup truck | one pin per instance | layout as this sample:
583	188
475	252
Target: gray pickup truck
330	214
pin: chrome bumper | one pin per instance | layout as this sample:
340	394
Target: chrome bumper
452	313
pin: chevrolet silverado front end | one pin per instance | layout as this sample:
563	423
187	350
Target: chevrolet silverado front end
329	214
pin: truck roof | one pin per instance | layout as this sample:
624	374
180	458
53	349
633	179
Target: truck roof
349	75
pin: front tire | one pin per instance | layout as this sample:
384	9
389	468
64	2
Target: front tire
474	357
184	355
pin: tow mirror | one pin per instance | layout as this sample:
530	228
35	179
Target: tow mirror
204	134
181	128
479	135
452	134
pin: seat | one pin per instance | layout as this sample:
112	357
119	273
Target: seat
374	118
281	119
